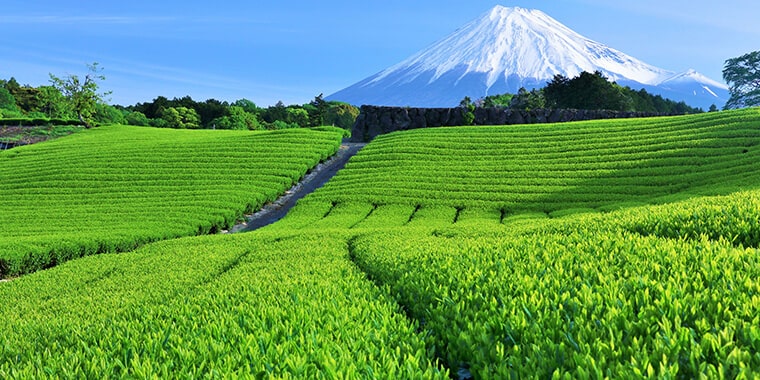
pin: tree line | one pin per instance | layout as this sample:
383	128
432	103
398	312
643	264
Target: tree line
241	114
79	99
589	91
594	91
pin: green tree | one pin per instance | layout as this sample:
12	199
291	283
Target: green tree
502	100
281	124
319	108
12	85
25	96
83	94
153	109
468	114
207	111
237	118
556	92
158	123
594	92
342	115
181	117
528	100
106	114
137	118
247	105
52	103
7	101
743	77
588	91
275	112
298	116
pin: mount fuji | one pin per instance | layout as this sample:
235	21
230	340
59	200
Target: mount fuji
508	48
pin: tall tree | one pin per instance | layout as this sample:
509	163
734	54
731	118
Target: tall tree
247	105
320	107
528	100
82	93
468	111
743	77
52	103
181	117
556	91
7	101
341	115
237	118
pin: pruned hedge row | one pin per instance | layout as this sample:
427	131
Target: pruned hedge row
16	122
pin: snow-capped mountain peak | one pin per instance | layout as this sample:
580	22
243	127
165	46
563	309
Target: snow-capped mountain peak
692	75
500	51
524	42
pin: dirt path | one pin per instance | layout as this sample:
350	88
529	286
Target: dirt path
276	210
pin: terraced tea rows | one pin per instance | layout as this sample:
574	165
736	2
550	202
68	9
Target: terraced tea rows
575	279
242	305
115	188
586	296
591	165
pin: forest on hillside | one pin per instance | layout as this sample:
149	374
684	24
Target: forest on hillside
45	103
587	91
50	104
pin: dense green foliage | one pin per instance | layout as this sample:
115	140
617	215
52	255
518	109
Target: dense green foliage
24	122
528	100
501	100
469	110
484	252
584	302
588	91
244	114
114	188
69	98
218	306
743	77
72	97
82	95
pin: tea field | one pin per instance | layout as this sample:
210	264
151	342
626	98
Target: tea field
605	249
115	188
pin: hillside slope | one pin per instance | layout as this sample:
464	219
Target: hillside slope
396	278
115	188
549	168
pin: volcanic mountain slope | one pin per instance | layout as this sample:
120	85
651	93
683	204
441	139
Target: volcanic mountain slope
509	48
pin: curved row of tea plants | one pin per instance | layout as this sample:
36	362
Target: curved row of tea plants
580	296
490	288
589	302
221	306
663	291
115	188
595	164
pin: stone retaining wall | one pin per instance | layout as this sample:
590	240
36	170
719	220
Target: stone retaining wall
377	120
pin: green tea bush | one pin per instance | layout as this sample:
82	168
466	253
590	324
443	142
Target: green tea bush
116	188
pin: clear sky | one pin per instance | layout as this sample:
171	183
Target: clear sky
267	51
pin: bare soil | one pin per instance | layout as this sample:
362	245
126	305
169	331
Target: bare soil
13	136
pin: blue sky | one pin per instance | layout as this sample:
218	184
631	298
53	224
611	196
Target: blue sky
294	50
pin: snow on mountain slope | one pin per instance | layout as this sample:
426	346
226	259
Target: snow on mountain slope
509	48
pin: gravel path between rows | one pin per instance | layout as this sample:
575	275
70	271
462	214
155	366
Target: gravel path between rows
322	173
